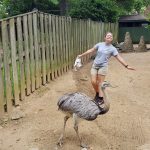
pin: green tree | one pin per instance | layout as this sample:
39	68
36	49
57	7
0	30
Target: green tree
149	21
140	5
100	10
107	10
146	2
14	7
3	12
125	6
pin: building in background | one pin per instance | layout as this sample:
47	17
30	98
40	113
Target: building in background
136	26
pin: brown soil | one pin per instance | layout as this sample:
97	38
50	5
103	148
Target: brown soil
125	127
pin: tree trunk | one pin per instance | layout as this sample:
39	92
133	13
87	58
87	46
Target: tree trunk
63	7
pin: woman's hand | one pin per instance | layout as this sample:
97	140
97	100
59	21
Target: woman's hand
79	56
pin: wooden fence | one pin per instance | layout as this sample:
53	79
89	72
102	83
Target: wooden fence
36	48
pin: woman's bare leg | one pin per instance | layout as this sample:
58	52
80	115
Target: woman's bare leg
95	83
100	80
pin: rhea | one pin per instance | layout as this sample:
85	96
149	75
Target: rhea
80	106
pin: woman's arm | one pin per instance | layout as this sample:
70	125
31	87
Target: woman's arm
122	61
87	52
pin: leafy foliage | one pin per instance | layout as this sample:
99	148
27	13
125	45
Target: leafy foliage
140	5
3	12
99	10
14	7
125	6
107	10
149	21
95	9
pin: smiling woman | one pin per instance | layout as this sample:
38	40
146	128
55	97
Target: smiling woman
99	68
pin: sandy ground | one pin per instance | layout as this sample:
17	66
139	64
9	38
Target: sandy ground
125	127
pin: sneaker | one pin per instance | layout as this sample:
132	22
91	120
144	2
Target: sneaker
99	101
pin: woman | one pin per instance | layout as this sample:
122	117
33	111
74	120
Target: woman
100	66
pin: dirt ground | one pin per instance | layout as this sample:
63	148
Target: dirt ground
125	127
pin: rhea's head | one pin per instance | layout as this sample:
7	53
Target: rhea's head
105	84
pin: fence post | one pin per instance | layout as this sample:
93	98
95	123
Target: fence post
1	90
36	48
47	49
51	46
31	45
13	59
54	47
57	47
27	60
6	50
42	39
21	61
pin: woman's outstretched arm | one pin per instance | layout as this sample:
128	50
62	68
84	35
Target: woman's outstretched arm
87	52
122	61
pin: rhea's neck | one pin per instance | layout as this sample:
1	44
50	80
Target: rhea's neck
106	101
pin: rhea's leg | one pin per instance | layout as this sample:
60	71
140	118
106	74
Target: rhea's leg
75	119
60	141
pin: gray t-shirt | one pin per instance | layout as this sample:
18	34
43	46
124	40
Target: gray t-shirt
104	52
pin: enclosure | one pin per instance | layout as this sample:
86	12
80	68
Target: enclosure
136	25
37	47
37	52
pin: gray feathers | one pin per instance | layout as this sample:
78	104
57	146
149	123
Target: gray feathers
79	104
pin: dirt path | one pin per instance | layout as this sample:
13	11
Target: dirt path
125	127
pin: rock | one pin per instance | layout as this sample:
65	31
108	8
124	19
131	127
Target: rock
5	119
127	45
1	142
1	121
17	114
84	79
34	148
84	149
142	46
144	147
18	140
55	131
1	127
120	45
56	148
